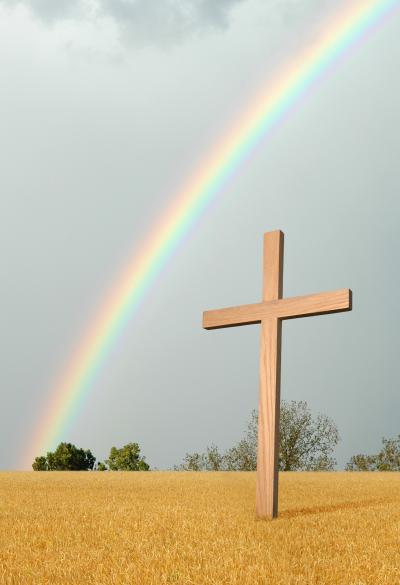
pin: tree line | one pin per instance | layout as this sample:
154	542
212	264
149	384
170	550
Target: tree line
388	458
307	443
68	457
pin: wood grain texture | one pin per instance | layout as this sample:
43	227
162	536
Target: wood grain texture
268	419
290	308
273	265
270	375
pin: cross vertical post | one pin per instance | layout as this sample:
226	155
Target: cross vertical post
270	374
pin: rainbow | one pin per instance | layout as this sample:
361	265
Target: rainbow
75	382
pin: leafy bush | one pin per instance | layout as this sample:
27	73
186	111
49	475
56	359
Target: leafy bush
67	457
127	459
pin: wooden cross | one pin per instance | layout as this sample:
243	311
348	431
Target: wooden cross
270	313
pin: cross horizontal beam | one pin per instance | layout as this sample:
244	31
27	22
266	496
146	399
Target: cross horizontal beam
290	308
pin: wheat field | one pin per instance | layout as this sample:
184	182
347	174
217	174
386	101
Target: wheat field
59	528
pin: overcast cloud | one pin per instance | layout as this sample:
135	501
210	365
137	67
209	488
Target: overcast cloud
139	21
52	10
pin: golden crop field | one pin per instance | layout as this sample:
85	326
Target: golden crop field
59	528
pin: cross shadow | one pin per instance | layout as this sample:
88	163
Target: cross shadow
299	512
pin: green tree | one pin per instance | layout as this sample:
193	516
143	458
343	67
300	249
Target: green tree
214	460
362	463
40	464
127	459
211	460
192	462
388	458
101	466
243	455
306	443
67	457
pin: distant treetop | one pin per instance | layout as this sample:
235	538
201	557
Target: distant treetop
67	457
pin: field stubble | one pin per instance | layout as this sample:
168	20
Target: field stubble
62	528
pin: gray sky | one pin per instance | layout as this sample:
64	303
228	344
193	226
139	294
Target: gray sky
105	109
